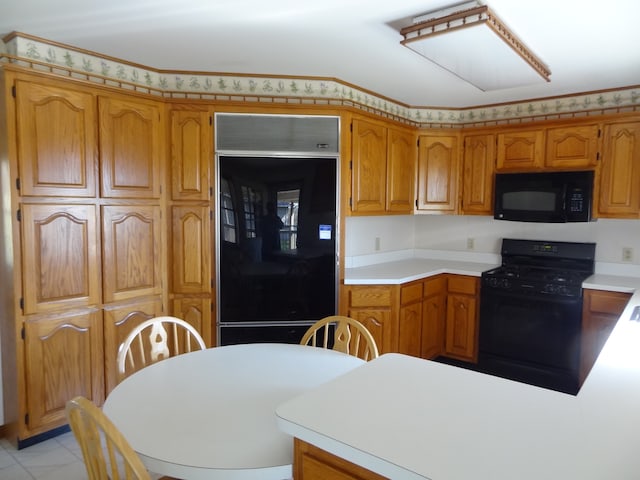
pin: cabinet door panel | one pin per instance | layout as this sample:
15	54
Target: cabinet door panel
433	325
520	150
64	358
197	311
56	135
410	329
131	242
369	152
191	259
438	173
401	166
572	147
620	171
477	175
378	322
130	148
118	322
461	327
60	257
191	154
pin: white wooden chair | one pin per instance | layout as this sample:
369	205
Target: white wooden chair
106	453
349	336
154	340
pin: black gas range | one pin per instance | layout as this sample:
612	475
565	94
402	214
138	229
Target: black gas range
531	312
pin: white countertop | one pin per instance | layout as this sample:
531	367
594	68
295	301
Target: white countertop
407	270
408	418
410	269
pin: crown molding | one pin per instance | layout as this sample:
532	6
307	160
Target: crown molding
41	54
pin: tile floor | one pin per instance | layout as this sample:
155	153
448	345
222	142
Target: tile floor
58	458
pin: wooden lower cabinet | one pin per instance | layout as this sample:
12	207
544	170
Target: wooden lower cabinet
600	312
424	318
434	307
313	463
461	336
63	358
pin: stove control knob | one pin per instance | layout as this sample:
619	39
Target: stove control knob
550	288
505	283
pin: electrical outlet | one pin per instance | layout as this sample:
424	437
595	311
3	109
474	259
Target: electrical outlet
471	243
627	254
377	244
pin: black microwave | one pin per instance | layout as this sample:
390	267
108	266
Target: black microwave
552	197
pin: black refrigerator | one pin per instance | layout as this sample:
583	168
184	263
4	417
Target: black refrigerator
276	235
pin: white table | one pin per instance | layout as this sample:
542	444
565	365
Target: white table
211	414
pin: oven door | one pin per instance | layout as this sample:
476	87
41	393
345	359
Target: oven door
531	338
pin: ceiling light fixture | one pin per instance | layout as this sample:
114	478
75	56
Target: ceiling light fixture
471	42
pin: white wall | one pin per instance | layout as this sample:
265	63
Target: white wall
450	232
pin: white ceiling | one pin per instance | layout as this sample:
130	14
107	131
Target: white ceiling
587	45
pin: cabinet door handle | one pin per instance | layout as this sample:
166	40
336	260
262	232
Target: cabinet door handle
376	322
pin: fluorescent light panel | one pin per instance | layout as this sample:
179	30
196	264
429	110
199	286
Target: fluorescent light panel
473	44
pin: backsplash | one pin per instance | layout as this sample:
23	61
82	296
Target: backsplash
466	235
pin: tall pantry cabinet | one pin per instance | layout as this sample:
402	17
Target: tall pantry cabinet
87	253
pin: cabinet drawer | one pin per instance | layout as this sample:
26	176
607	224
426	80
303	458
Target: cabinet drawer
435	285
370	297
463	284
410	293
608	302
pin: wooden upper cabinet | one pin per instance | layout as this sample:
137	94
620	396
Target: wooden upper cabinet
64	358
438	159
401	165
131	243
56	140
620	171
572	147
369	152
191	239
60	257
477	174
130	148
520	150
191	154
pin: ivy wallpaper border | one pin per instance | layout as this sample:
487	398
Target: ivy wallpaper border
301	88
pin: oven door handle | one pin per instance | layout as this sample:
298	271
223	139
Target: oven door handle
487	293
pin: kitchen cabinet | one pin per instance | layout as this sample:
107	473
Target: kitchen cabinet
425	318
63	357
619	195
372	306
438	165
520	150
572	147
89	256
477	174
410	319
401	166
600	312
383	165
368	170
191	154
434	310
461	336
56	134
313	463
130	147
191	204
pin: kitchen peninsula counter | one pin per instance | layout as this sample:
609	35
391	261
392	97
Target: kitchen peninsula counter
408	418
